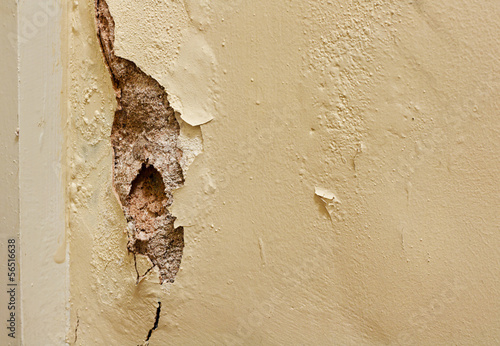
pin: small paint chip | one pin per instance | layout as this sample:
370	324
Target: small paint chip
325	194
332	203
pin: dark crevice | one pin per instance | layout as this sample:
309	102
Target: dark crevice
157	319
76	328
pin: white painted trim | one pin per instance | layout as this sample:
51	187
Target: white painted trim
9	173
44	285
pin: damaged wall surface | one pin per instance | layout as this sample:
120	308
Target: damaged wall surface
147	157
333	167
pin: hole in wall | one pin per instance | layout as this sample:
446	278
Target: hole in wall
146	168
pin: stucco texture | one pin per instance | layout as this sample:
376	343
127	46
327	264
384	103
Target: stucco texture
347	190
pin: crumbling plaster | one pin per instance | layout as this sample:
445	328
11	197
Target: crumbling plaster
347	192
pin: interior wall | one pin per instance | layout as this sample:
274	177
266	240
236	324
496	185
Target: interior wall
347	191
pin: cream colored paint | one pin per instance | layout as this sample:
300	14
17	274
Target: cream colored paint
347	192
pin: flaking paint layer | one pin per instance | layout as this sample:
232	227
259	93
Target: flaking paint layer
147	157
388	106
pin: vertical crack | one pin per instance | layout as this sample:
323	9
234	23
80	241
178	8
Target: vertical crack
76	328
147	157
155	325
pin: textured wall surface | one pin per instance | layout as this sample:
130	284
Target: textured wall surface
346	189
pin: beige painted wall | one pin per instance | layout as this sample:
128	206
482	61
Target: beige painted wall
388	110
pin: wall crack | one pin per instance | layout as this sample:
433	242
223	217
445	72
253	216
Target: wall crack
155	325
76	328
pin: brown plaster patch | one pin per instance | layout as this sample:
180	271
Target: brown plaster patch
147	158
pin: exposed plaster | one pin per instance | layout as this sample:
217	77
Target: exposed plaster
147	156
303	89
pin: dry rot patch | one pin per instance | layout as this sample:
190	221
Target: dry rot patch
146	168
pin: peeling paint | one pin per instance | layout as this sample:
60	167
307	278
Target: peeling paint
331	202
147	157
367	101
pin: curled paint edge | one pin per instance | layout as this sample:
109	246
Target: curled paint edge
325	194
193	120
